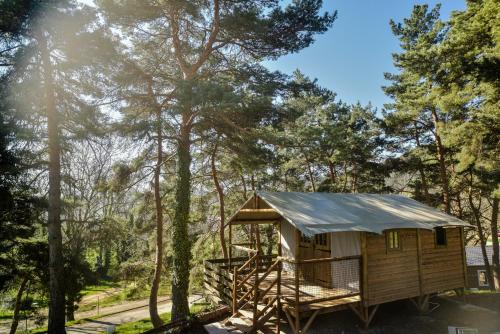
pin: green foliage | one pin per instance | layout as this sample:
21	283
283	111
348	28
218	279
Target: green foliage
437	141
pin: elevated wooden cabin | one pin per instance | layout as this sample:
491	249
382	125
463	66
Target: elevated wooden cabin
335	251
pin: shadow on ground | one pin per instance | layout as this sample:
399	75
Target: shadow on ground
401	317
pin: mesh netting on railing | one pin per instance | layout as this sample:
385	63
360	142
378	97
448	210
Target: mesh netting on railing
321	279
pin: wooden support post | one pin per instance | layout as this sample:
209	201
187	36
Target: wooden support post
364	313
310	321
421	303
278	287
364	270
419	262
370	315
235	297
297	287
256	292
230	244
290	321
464	259
424	304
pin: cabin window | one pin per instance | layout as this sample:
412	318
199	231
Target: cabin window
392	240
482	278
304	238
321	239
440	234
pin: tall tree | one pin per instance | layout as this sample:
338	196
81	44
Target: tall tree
51	83
416	112
469	91
208	38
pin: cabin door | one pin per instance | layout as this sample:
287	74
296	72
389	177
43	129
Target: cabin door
322	249
306	252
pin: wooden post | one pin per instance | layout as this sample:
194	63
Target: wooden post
230	244
297	287
256	292
235	283
464	259
278	287
419	263
278	294
364	270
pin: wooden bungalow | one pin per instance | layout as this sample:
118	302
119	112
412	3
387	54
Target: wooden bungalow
334	251
477	277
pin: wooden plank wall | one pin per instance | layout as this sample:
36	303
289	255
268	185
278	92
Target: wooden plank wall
392	275
442	267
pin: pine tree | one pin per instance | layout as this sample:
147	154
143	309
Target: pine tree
206	39
52	83
416	116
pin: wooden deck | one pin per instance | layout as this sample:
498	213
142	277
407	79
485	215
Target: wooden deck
312	296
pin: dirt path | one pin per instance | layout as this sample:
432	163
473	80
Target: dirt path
116	314
123	306
92	299
130	315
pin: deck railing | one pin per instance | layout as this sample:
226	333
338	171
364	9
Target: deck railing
302	282
218	276
318	280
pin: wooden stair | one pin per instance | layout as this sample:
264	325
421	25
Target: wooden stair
255	310
242	322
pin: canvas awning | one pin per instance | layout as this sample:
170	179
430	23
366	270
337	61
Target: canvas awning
314	213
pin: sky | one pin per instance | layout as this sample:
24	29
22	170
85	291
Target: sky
353	55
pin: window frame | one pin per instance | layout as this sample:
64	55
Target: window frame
322	237
486	284
436	229
389	237
304	240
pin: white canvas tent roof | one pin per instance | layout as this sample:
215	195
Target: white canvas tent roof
314	213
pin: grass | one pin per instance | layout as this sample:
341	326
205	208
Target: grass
6	314
101	287
69	323
145	324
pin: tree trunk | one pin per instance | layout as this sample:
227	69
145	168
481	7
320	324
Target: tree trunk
354	185
270	241
482	240
244	183
220	194
56	265
333	176
70	308
17	307
181	254
344	188
155	285
459	206
309	170
181	250
421	171
494	237
442	163
286	181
